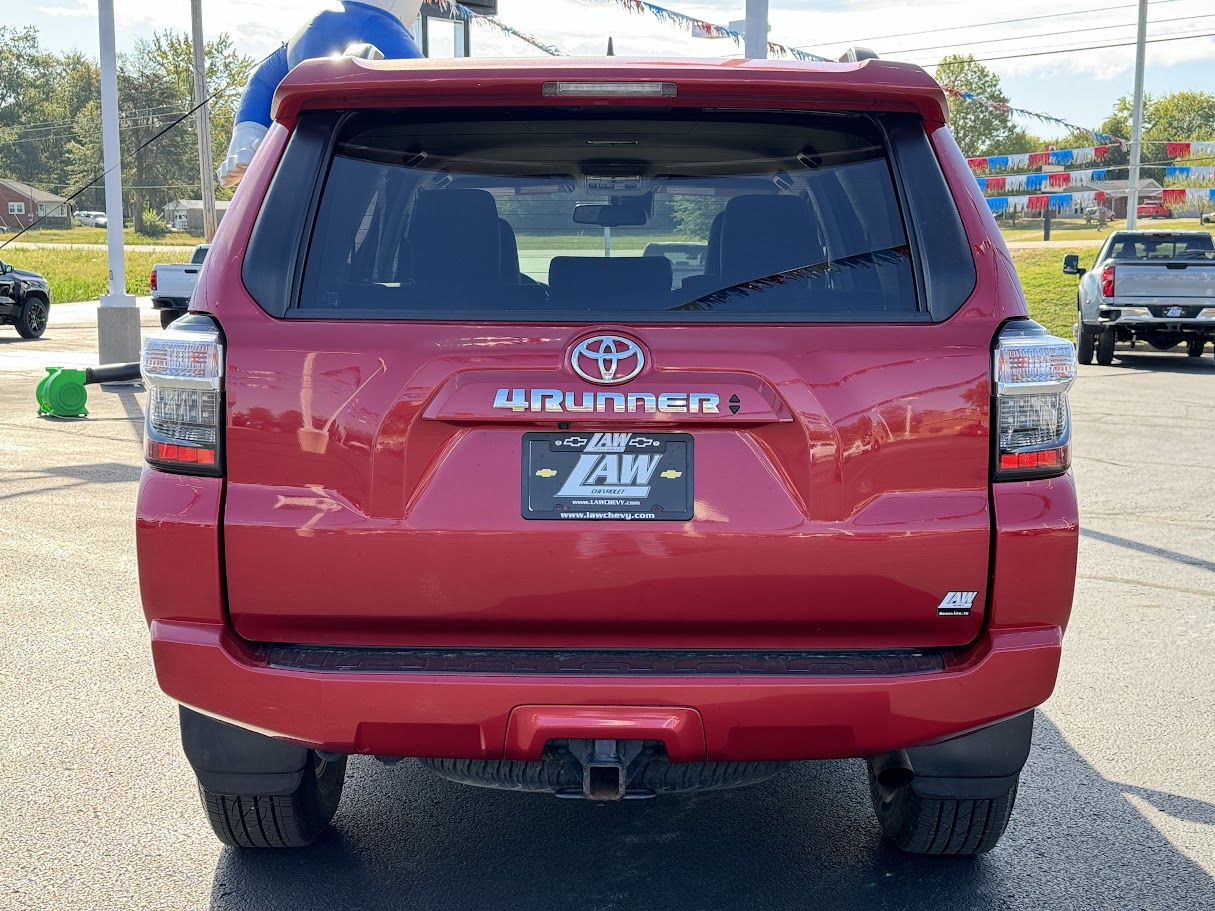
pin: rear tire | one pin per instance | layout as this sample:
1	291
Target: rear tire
280	820
923	825
1086	341
1105	346
168	316
32	317
1193	348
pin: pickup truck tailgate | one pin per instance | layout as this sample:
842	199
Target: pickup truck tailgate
1168	280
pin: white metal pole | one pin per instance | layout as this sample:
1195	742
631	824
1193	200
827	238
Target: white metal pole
203	115
755	37
117	319
1132	189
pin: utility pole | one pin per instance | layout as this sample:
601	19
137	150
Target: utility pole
1132	189
206	171
755	36
117	318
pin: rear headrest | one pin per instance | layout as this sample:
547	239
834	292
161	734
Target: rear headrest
509	252
763	235
456	238
597	277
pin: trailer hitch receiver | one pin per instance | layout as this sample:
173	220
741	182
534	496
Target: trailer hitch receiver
606	767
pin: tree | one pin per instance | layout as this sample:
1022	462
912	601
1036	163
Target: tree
227	72
694	214
980	130
51	121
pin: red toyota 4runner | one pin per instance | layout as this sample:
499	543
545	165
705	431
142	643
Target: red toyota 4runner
446	464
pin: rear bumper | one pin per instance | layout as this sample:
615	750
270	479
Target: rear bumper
479	716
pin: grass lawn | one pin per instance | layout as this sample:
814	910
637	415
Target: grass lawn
1077	230
82	275
1051	294
97	236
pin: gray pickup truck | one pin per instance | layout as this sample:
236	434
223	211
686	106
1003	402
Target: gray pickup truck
1156	287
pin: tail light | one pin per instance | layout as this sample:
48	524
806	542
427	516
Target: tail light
183	371
152	279
1107	281
1033	371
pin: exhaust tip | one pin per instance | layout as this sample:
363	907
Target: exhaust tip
895	777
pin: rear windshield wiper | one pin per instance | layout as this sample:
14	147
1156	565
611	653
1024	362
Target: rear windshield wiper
890	256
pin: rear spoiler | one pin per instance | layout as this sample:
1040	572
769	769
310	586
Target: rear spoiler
862	83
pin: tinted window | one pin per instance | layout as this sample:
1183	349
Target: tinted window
685	215
1162	246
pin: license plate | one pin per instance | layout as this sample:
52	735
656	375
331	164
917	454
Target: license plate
1174	311
620	476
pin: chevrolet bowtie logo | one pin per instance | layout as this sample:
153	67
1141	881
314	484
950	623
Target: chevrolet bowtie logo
669	473
545	473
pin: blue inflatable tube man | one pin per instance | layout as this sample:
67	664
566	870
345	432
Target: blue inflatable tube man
375	24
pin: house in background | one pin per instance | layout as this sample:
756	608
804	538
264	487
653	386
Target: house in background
187	214
21	205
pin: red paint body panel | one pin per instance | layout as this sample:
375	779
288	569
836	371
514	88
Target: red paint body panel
872	85
468	716
531	727
371	498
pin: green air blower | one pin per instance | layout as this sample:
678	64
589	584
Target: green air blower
61	393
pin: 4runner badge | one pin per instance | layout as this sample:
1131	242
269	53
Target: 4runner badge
956	604
555	401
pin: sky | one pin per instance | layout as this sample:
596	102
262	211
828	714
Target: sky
1079	86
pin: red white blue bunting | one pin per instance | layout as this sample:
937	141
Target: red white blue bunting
1008	110
1038	182
702	29
454	10
1189	172
1038	159
1076	203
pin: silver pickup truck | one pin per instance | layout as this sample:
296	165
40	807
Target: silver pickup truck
1156	287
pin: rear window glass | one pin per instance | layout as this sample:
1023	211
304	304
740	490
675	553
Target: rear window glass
1162	246
671	215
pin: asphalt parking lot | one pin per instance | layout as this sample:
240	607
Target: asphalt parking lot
1116	809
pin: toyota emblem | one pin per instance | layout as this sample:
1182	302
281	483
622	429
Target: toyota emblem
607	359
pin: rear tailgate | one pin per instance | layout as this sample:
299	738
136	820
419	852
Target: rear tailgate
1175	281
176	280
379	404
374	493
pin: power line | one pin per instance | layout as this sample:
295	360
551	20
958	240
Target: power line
1095	47
72	134
1093	28
53	124
140	148
955	28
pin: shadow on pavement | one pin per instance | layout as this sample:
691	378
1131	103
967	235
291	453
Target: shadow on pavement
77	475
1151	549
1163	361
807	839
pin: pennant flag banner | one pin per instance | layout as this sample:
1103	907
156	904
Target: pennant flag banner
454	10
1003	107
1057	180
1077	202
1036	159
702	29
1189	172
